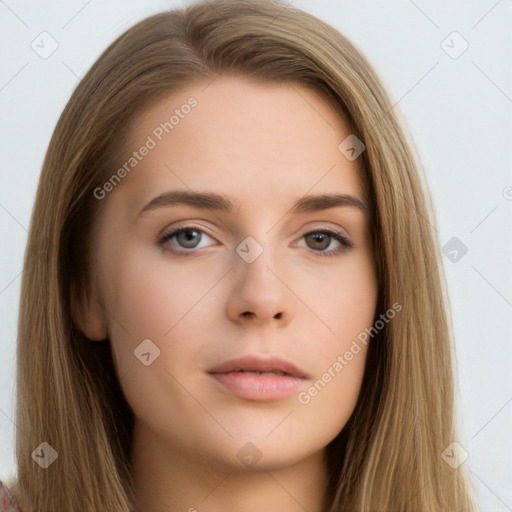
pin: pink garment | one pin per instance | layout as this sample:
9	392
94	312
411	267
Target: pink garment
7	501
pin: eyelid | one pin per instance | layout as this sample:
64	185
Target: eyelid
326	227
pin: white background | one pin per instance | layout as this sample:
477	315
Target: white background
458	110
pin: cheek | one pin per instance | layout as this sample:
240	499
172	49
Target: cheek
152	295
331	398
346	304
336	377
344	296
162	302
170	306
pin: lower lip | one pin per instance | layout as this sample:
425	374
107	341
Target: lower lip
260	388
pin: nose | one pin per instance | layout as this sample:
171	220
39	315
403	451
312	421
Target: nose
260	293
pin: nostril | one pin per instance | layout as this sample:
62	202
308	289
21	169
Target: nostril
250	313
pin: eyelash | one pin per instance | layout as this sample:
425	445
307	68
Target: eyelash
345	242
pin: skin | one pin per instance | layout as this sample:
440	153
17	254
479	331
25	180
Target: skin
265	146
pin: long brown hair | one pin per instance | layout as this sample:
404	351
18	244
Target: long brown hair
389	455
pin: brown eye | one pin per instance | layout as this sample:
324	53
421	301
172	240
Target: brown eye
319	241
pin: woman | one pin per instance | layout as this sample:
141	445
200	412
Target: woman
253	372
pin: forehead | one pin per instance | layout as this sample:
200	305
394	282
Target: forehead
253	141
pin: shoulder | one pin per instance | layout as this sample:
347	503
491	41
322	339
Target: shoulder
7	501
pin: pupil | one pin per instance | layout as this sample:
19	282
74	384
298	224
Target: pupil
321	237
188	237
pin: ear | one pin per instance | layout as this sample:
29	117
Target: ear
88	314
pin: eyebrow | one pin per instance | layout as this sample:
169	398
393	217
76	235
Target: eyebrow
225	204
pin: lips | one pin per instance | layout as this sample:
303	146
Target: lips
259	378
260	365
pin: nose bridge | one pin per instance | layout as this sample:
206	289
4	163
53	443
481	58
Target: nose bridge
254	259
257	288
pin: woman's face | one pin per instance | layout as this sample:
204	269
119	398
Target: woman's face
262	279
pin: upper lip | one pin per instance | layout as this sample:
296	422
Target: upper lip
256	363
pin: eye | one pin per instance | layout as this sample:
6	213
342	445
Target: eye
320	240
186	237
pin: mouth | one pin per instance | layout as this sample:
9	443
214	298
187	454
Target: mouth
258	378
